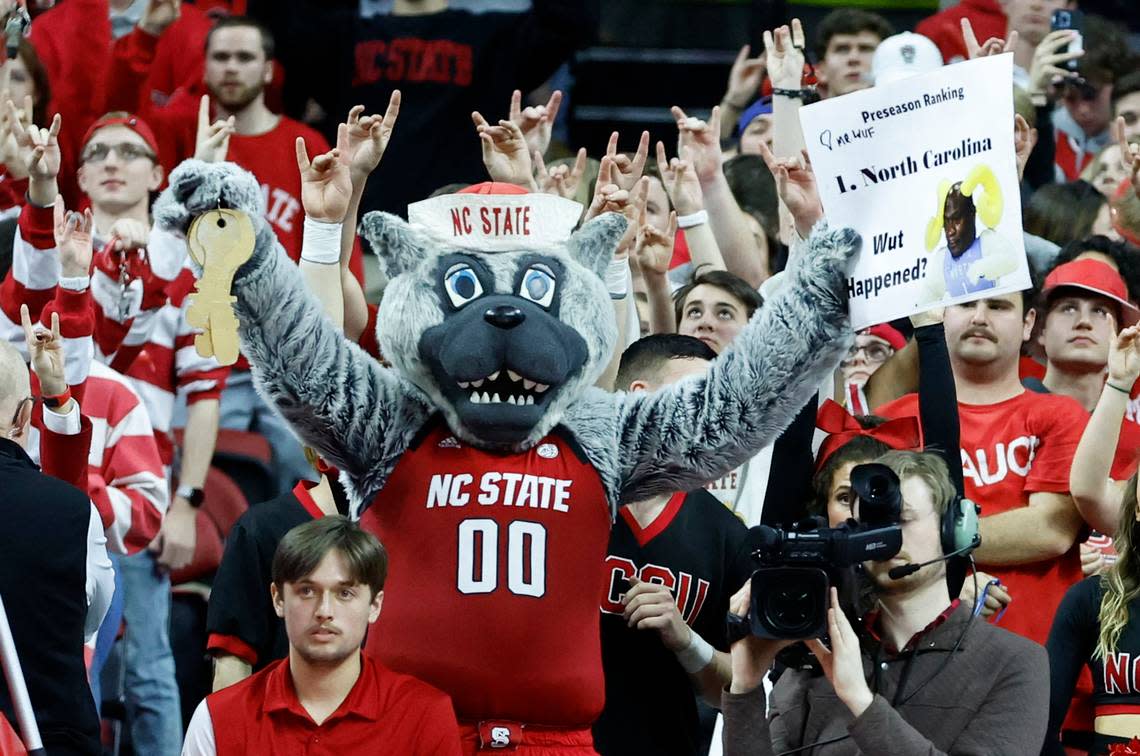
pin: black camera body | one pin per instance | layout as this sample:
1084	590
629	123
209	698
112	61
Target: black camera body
797	567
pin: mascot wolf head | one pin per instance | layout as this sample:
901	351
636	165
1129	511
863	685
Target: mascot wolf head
500	341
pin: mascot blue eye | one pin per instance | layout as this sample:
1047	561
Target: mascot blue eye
462	285
538	286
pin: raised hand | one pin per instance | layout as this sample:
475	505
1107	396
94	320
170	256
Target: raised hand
73	239
652	248
536	121
992	46
681	182
326	181
1046	67
46	351
505	152
784	51
703	141
213	139
368	137
843	662
1124	358
38	148
1129	153
562	180
628	171
795	182
158	15
744	78
10	151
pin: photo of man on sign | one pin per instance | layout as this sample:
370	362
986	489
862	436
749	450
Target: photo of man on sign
970	261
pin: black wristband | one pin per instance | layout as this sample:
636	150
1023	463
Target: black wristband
795	94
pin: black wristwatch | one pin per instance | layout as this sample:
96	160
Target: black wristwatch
193	495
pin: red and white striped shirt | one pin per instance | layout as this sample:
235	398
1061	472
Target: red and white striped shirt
149	341
125	476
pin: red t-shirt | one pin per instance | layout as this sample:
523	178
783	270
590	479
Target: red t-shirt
1010	450
384	713
496	575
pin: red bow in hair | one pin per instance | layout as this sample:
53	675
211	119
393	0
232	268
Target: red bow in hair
841	426
1131	748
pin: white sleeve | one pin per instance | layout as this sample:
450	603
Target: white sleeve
200	733
63	423
100	576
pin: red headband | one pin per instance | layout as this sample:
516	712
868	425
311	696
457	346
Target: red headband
889	334
134	123
841	427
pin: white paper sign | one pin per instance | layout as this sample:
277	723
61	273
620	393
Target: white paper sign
924	169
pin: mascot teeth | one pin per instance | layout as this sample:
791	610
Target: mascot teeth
528	384
493	376
514	376
478	383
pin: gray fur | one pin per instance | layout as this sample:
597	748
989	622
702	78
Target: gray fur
398	244
196	187
362	416
594	243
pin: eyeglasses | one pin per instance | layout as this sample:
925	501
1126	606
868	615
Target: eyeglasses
872	353
126	151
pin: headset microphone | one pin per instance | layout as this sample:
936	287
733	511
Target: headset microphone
898	573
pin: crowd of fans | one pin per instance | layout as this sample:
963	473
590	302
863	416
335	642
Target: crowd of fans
1028	648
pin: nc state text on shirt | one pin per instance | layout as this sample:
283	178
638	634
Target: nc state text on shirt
508	489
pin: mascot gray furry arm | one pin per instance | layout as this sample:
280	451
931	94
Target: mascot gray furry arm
504	373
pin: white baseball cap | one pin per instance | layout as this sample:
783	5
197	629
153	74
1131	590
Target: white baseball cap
903	55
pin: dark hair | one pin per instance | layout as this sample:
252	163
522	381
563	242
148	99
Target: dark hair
723	280
1127	84
849	21
1107	56
1063	213
1125	260
858	449
40	82
754	189
303	548
645	358
268	45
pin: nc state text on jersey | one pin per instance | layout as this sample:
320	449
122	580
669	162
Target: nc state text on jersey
508	489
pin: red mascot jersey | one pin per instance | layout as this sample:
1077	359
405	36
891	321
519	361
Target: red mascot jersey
496	574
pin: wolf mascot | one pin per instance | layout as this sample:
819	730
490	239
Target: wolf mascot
485	459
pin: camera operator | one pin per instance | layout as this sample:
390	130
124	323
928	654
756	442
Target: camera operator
917	677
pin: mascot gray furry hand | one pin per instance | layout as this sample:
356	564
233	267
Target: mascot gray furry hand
484	458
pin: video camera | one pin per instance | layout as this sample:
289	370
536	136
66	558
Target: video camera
791	588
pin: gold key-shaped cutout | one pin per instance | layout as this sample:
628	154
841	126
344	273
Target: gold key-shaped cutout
219	241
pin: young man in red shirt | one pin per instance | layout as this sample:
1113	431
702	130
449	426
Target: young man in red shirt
326	697
1017	447
1086	303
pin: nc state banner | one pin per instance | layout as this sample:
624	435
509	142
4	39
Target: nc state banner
924	169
